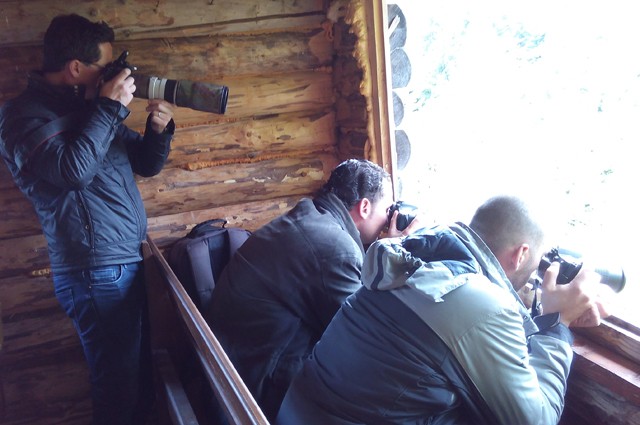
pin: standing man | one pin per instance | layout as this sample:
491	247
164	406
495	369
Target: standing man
283	286
438	335
69	152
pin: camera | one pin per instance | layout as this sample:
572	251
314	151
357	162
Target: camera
406	214
206	97
113	68
570	266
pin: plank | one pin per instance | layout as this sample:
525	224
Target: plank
254	97
591	403
49	390
25	22
251	215
251	138
211	58
38	334
23	256
176	190
21	296
207	59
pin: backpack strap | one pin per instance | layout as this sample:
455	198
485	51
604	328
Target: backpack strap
205	226
37	138
202	273
236	239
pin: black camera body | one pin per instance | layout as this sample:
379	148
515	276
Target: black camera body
114	68
568	269
200	96
406	214
570	266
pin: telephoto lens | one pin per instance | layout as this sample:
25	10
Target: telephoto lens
206	97
570	265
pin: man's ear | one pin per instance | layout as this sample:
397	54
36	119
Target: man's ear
365	207
72	68
361	210
520	254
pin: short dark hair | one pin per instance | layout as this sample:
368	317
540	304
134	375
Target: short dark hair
355	179
503	221
73	37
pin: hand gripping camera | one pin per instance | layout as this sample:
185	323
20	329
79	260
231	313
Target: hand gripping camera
406	214
205	97
570	266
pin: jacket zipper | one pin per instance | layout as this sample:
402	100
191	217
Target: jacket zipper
87	216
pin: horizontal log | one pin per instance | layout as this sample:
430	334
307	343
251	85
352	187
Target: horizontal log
25	22
212	58
40	333
177	191
46	390
599	364
17	217
590	403
252	215
617	335
252	138
207	59
254	97
23	256
34	324
21	295
268	24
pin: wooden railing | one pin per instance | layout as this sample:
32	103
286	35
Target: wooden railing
183	342
181	339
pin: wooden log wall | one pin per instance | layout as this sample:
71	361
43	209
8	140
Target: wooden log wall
277	142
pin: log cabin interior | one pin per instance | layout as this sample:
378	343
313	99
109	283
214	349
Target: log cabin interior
309	86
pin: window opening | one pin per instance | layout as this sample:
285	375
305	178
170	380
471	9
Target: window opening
539	100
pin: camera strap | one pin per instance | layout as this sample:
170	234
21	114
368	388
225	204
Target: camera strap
535	306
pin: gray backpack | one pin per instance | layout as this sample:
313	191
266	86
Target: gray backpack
198	258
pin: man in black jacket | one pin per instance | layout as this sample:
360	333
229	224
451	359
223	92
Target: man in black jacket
283	286
69	152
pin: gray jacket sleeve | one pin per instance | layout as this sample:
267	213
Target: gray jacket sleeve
523	381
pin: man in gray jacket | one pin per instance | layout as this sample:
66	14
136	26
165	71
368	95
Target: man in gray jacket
438	334
283	286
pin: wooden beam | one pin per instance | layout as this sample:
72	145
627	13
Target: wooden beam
167	229
376	56
231	392
25	22
604	387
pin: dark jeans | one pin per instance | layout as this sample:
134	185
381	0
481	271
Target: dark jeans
108	308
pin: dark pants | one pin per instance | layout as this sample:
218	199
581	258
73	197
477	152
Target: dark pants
108	308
